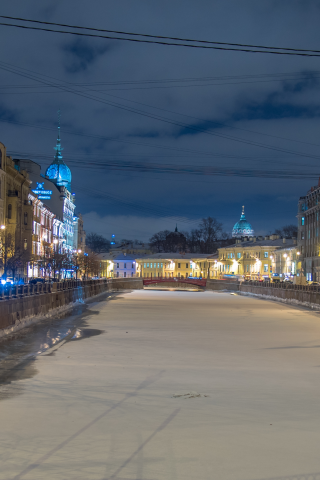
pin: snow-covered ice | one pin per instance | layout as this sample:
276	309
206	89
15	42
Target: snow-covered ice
105	406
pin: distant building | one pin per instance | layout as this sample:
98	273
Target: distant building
124	266
176	265
42	236
79	236
308	234
242	228
131	248
54	190
15	217
256	257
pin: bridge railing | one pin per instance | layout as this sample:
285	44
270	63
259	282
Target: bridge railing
18	291
282	285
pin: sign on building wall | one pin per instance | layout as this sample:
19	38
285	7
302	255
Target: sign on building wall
41	192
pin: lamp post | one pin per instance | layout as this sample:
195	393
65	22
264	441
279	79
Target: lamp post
286	264
3	250
77	266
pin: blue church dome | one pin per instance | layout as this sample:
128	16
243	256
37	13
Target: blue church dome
58	172
242	228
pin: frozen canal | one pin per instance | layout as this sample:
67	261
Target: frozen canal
100	402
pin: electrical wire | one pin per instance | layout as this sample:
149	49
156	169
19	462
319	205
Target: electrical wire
154	36
5	66
295	52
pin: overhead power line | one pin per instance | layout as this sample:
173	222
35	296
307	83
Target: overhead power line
158	39
67	87
157	36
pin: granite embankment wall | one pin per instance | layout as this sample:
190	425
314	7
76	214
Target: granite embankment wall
222	285
23	302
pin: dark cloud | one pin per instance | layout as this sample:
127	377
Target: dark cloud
79	54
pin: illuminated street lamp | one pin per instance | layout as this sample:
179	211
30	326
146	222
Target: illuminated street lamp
3	250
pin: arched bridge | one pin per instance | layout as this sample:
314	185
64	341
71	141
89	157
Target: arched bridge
200	282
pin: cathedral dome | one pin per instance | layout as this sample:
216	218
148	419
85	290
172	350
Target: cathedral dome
242	228
58	172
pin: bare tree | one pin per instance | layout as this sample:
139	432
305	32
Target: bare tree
97	243
288	231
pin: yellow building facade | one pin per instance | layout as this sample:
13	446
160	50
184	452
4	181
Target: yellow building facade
254	258
174	265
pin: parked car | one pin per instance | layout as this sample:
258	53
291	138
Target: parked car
36	280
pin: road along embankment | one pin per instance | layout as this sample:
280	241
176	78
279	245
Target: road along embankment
22	305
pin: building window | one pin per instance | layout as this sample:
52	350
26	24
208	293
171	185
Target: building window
187	265
131	274
302	221
144	265
147	265
117	265
302	235
124	265
265	267
161	265
125	274
132	265
25	244
179	265
9	210
239	255
117	274
26	218
266	254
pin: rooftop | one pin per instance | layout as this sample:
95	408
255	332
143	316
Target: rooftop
176	256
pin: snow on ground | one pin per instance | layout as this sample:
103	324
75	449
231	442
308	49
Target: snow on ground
124	403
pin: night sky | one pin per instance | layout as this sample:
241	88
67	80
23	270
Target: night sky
252	119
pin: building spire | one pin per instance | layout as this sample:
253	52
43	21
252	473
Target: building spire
58	147
242	209
176	229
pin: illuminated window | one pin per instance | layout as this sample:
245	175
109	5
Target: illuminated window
161	265
266	254
158	265
25	244
265	267
147	265
302	221
239	255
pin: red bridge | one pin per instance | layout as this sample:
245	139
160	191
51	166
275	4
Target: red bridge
201	282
